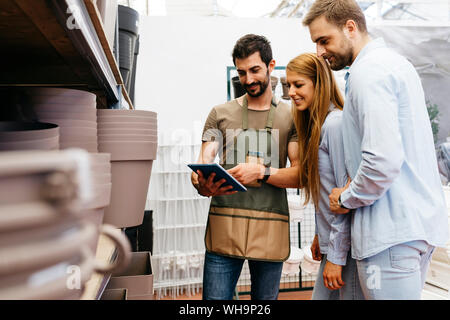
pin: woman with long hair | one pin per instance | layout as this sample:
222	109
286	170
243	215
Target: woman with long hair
317	111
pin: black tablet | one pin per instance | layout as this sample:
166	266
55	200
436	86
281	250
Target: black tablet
220	172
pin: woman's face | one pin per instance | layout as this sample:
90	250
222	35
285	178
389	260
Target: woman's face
301	89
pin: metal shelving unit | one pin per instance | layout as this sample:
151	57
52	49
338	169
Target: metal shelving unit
61	43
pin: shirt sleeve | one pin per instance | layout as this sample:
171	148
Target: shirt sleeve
376	112
293	136
211	129
340	239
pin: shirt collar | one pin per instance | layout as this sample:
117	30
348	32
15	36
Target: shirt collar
372	45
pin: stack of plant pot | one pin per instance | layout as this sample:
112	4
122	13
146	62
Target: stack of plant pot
128	19
285	88
274	82
100	168
45	235
74	111
130	136
28	136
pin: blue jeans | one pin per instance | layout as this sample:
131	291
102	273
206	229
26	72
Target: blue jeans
221	274
350	291
397	273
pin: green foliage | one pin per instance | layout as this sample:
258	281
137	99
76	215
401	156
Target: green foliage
433	113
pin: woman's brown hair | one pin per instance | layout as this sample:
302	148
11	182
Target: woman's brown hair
309	122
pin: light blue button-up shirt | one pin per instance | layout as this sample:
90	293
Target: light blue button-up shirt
389	155
332	229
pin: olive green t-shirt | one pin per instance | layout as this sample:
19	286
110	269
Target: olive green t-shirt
227	118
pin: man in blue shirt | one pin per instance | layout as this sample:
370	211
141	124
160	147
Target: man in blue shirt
399	214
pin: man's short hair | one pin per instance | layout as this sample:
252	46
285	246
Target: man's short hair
251	43
337	12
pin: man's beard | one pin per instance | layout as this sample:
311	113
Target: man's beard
262	87
340	61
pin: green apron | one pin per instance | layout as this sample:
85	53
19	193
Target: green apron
254	224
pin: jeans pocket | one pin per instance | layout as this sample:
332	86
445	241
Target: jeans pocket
404	258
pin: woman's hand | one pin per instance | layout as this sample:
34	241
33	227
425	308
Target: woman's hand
332	276
315	249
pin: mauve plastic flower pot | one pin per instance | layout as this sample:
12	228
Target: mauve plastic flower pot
42	144
68	138
15	244
101	168
115	294
27	131
126	125
127	119
137	278
142	132
127	150
40	284
37	283
102	196
130	181
70	123
95	216
60	92
69	101
116	131
126	137
99	158
66	115
101	178
133	113
89	147
78	131
58	107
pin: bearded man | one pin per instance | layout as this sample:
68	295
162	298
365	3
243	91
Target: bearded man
254	134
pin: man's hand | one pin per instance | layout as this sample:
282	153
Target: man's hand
332	276
246	173
334	199
208	188
315	249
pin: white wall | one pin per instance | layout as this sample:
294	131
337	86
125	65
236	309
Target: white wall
182	66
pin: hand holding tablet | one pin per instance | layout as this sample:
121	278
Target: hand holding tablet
220	173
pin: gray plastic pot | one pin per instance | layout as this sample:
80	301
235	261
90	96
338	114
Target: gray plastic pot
27	131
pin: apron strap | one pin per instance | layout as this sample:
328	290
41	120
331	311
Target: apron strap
269	123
